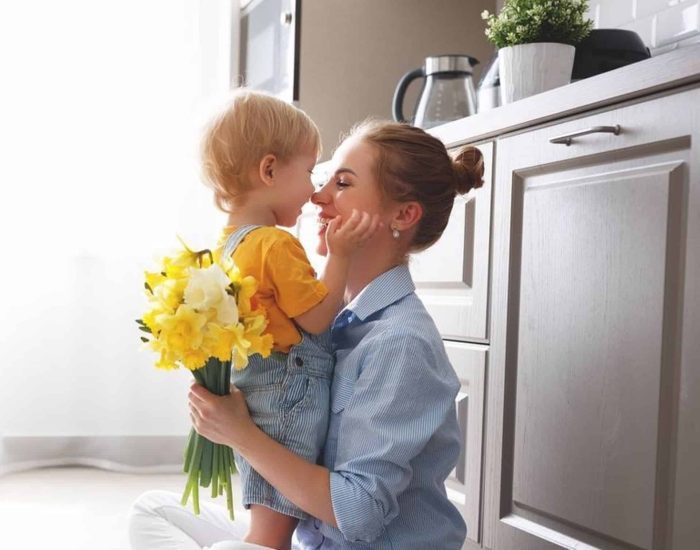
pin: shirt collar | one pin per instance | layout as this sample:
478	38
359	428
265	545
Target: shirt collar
383	291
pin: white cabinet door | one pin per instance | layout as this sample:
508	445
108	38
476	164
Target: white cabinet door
594	372
464	484
452	275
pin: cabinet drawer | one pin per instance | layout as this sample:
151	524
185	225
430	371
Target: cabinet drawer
452	275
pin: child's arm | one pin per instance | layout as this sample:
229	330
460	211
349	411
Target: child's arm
342	242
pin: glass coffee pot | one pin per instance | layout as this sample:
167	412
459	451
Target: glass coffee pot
448	91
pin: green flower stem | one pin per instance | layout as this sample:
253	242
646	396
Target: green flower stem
189	450
206	462
229	491
215	472
193	472
205	466
195	493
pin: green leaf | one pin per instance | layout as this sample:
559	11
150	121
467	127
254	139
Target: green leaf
144	339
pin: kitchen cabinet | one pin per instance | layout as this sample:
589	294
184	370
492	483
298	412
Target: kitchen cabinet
452	275
594	363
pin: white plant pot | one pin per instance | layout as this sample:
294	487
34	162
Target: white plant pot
528	69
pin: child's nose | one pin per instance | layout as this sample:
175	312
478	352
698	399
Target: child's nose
319	196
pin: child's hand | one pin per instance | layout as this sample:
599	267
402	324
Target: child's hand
344	238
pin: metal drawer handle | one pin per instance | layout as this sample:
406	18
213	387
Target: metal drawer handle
567	138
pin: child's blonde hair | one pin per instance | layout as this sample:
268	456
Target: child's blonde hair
253	125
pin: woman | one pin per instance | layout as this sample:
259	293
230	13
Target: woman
393	436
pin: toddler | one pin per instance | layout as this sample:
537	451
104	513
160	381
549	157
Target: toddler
258	156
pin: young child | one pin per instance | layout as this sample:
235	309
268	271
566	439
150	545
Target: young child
258	156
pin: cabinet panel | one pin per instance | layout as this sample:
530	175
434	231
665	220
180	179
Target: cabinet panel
452	275
590	441
464	484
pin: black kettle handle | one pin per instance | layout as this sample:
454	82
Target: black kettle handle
397	106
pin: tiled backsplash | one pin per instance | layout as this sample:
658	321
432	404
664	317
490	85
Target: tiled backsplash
662	24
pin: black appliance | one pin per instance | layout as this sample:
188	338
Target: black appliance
607	49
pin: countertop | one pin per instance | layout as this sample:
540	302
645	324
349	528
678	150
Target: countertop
664	72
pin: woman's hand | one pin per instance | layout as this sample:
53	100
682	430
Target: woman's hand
221	419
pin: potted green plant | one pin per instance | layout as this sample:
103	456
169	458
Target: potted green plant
536	42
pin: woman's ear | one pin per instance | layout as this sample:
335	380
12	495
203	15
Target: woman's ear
407	215
266	169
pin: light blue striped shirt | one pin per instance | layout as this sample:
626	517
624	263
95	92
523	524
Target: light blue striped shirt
393	436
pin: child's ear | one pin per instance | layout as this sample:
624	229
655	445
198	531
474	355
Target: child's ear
266	169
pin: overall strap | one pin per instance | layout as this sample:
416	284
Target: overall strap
235	238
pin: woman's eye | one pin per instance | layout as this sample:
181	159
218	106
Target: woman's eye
341	183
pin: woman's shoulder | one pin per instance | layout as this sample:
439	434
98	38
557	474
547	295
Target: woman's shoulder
408	318
406	327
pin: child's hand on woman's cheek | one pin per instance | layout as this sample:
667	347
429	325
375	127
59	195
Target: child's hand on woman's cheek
220	418
344	237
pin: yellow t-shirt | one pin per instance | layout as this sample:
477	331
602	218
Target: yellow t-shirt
287	284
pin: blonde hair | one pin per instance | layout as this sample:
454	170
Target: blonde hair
253	125
412	165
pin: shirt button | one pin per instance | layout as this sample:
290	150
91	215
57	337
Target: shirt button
298	361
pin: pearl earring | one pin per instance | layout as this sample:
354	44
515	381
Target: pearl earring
395	233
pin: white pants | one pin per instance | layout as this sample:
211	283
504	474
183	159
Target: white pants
157	521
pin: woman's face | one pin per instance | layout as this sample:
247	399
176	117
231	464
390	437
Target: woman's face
352	184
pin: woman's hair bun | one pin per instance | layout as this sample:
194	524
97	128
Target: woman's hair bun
468	168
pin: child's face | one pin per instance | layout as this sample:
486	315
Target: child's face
295	187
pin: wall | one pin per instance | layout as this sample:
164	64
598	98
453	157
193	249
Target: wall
663	24
354	53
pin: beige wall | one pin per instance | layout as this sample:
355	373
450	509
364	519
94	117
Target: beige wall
353	53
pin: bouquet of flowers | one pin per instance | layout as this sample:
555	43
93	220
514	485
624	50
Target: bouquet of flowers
201	315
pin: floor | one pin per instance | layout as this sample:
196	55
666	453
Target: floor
76	508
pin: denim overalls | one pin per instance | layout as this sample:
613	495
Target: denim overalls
288	398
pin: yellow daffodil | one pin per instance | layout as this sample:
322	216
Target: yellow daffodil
166	361
247	289
182	332
194	359
218	342
154	279
169	294
149	319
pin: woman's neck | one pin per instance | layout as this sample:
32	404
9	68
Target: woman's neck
364	269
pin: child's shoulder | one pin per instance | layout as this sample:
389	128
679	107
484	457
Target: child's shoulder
268	237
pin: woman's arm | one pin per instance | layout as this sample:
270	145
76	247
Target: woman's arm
225	419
